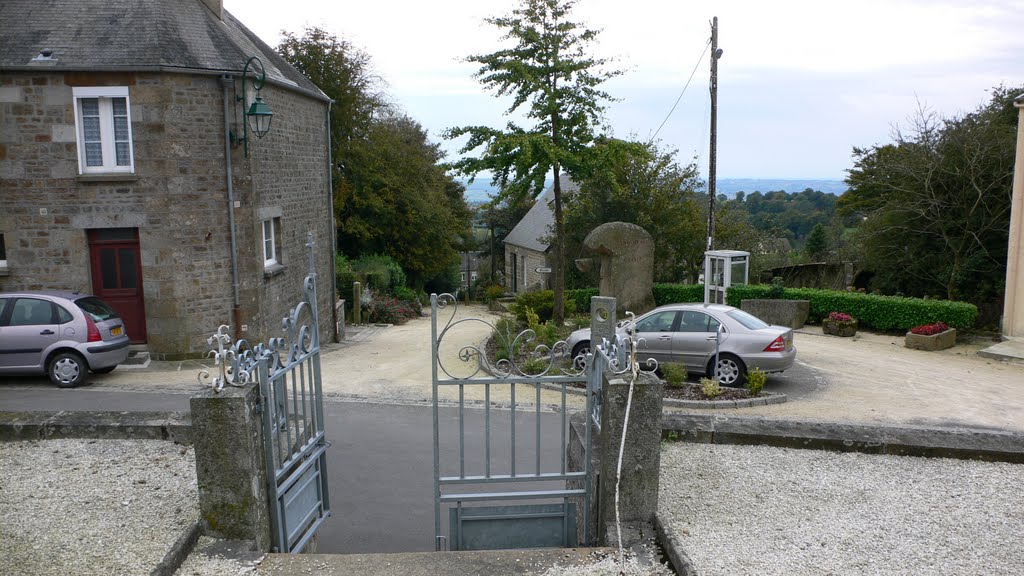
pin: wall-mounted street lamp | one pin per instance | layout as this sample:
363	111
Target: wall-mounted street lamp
259	114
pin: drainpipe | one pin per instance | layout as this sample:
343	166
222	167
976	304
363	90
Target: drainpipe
228	84
333	232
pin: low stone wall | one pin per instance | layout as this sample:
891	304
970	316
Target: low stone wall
790	313
171	426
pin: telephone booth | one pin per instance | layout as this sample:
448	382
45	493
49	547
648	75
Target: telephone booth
723	268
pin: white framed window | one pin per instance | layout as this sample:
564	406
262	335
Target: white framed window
271	243
3	252
103	125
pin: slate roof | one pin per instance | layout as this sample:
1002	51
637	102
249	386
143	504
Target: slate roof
135	35
533	230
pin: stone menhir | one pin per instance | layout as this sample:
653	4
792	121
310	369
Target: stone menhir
627	264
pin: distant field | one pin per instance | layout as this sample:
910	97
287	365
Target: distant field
481	190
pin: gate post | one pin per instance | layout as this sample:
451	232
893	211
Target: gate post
227	435
641	458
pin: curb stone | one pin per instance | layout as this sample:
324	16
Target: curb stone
172	426
179	551
960	443
673	548
764	399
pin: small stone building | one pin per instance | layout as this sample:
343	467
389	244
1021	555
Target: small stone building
122	169
528	245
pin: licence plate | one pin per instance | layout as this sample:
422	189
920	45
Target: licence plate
117	331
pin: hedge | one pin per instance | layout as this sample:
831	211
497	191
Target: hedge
581	297
675	293
870	310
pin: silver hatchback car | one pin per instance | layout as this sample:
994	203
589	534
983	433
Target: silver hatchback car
687	334
61	334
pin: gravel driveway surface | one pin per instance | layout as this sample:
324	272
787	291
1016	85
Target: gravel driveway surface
93	507
776	511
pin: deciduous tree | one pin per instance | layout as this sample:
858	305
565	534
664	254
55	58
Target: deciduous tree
936	202
549	71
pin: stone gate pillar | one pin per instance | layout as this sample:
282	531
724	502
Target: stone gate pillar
641	459
227	434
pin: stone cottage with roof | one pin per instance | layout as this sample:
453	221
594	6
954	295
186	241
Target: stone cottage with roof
528	245
122	170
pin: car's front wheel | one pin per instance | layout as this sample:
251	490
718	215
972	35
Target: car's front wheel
67	369
581	349
731	371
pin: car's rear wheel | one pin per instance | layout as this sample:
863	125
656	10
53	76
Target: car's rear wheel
732	371
67	369
106	370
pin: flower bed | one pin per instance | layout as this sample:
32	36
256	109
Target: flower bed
839	324
930	337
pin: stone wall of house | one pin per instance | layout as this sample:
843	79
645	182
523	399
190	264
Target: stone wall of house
176	198
528	278
289	180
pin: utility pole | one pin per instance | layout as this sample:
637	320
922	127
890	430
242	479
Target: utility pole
716	53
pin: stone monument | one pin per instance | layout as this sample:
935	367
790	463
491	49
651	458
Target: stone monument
626	254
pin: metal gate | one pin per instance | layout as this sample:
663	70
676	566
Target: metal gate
489	473
287	370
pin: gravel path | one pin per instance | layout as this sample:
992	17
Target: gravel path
71	506
768	511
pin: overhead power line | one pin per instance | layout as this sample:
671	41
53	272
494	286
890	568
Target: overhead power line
695	66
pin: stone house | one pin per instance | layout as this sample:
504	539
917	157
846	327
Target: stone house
528	245
123	172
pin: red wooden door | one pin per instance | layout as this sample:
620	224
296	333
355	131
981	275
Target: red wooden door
117	276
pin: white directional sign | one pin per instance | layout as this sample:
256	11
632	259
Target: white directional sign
543	270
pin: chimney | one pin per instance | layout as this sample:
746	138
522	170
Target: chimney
215	6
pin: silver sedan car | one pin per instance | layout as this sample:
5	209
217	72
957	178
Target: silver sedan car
687	333
61	334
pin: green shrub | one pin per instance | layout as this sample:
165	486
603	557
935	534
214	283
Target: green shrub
581	298
675	374
755	381
405	293
676	293
386	310
778	288
504	333
380	271
533	365
493	292
871	310
542	302
710	387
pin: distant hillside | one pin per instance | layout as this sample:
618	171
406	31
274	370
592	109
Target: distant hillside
730	186
480	190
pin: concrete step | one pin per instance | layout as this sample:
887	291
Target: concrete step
1012	350
529	562
137	359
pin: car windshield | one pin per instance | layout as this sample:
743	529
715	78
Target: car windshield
751	322
97	309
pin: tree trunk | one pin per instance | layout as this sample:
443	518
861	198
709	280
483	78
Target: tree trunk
557	267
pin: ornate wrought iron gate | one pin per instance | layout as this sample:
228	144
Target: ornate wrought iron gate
287	370
506	474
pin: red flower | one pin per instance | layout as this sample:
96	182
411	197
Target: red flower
839	317
930	329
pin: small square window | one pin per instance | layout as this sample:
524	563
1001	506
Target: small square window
104	129
271	242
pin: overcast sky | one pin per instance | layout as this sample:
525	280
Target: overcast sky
800	82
